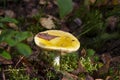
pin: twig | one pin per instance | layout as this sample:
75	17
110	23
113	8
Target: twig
3	74
19	61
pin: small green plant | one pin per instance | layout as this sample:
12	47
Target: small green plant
13	39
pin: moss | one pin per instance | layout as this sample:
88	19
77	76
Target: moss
69	62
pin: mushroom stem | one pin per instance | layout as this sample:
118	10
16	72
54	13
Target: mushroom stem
56	62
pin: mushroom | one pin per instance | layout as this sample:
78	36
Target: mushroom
60	41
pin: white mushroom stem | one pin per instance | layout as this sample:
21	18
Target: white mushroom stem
57	61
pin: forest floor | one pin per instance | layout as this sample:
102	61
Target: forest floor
96	26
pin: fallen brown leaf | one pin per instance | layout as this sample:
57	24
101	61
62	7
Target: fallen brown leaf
10	13
80	69
33	12
78	21
68	76
46	36
116	59
88	77
115	65
112	22
13	25
42	2
50	5
92	1
106	58
4	61
3	44
83	52
1	12
47	22
98	79
108	78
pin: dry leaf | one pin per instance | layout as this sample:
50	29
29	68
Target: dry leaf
3	45
78	21
55	2
112	22
108	78
64	78
68	76
115	64
106	58
49	5
4	61
92	1
47	23
33	13
30	39
1	12
83	52
13	25
46	36
80	69
42	2
98	79
88	77
116	59
10	13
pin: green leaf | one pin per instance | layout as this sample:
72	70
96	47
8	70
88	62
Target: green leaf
90	52
13	37
1	25
6	37
5	54
65	7
8	19
20	36
24	49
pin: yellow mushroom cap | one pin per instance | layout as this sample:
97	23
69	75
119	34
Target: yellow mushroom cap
57	40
